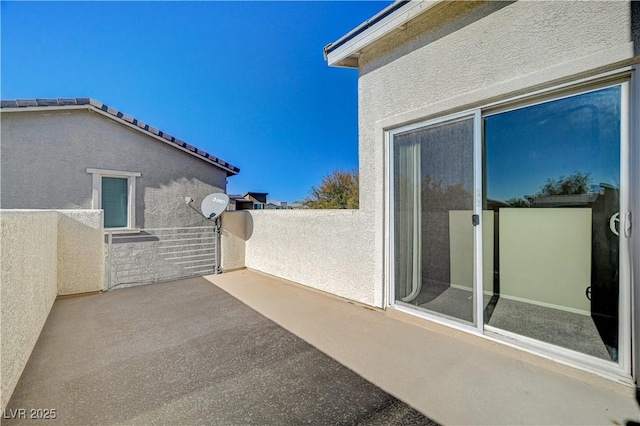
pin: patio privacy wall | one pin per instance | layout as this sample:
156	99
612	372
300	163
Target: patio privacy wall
45	253
329	250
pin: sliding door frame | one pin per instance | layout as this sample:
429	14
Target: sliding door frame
620	370
474	114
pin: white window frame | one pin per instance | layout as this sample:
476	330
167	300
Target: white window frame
96	199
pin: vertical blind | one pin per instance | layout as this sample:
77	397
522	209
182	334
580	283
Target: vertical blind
114	202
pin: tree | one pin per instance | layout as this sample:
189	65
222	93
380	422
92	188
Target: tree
339	190
576	183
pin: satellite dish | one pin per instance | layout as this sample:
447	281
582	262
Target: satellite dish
214	204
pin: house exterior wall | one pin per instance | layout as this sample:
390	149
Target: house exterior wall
467	54
45	155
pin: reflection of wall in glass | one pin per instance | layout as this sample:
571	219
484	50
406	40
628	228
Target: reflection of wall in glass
545	257
461	249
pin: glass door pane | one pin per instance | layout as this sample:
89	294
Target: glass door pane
433	208
552	178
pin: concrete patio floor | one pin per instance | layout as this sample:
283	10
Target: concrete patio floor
450	376
240	348
186	352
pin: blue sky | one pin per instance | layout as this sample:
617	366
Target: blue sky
525	147
245	81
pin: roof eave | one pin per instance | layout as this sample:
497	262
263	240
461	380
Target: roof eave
345	51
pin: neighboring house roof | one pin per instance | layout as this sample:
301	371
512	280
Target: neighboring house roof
345	51
278	204
97	106
252	193
235	196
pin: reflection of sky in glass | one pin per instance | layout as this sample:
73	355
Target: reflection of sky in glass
527	146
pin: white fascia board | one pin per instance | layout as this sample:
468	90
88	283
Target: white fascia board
346	55
42	108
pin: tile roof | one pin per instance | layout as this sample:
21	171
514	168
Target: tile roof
115	114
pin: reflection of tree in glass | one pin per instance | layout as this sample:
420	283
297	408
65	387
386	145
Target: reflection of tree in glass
574	184
518	202
577	183
440	197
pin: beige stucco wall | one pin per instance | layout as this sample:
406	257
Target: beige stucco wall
80	251
43	253
233	239
469	54
29	265
329	250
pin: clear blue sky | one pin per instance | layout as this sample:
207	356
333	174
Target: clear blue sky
528	146
245	81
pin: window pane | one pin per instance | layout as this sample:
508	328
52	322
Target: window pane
552	182
114	202
433	207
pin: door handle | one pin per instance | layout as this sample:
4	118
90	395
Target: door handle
612	223
475	220
627	224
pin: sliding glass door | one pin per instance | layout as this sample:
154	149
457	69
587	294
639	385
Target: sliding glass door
433	213
553	184
514	220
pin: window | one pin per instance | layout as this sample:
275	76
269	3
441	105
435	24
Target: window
115	193
258	206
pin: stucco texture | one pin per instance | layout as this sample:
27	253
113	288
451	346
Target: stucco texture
45	156
80	251
329	250
466	54
43	254
28	287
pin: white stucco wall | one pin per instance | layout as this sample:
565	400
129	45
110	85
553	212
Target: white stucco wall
329	250
80	251
466	55
29	265
43	253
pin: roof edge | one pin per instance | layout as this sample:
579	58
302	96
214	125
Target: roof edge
90	104
345	51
